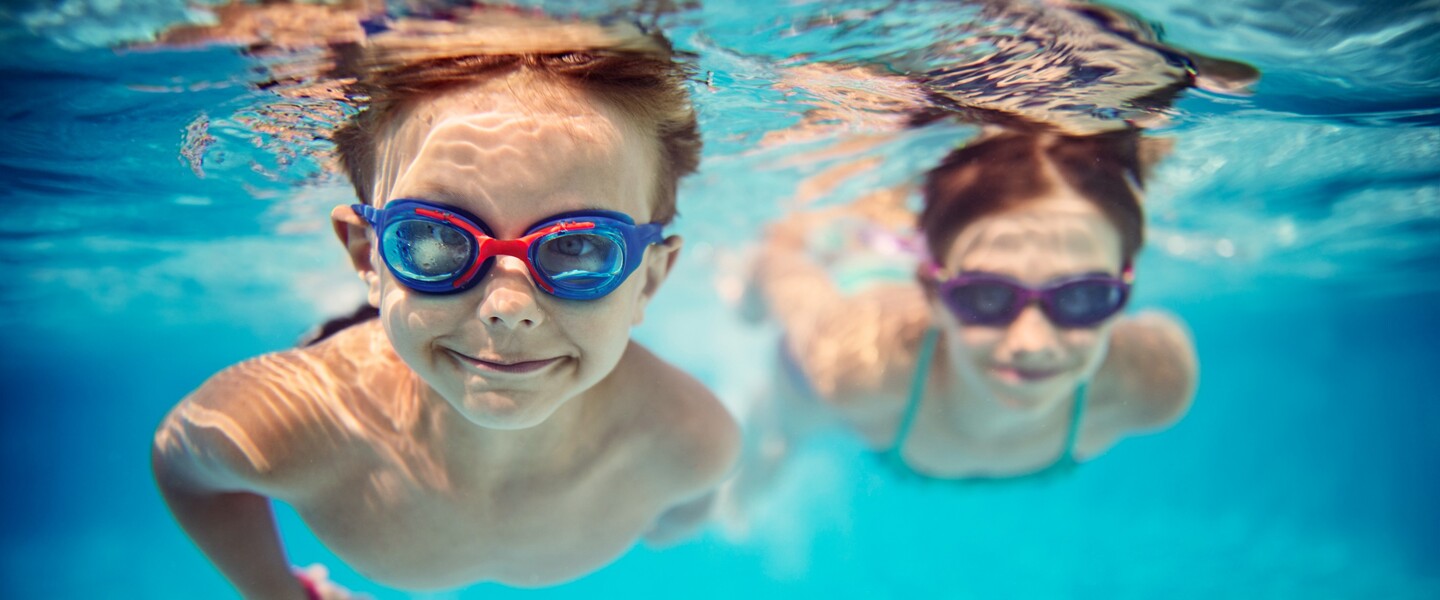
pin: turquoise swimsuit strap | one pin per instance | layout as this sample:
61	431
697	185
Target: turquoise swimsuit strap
917	393
1076	413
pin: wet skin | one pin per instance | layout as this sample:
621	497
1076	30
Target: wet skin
997	399
1031	365
512	167
499	434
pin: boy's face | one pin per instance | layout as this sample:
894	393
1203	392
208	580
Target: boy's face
504	353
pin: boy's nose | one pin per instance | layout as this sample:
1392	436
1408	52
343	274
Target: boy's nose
509	296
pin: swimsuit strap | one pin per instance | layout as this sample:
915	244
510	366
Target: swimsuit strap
1075	414
917	391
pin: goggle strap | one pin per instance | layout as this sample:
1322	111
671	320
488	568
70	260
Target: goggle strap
650	233
560	227
367	212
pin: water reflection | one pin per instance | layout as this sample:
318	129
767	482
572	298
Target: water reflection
490	419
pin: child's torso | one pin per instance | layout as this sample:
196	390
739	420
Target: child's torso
447	528
934	446
398	500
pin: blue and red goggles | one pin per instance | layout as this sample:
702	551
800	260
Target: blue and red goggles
438	249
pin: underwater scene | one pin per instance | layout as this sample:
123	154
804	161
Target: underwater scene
961	299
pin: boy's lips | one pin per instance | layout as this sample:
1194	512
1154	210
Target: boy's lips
507	365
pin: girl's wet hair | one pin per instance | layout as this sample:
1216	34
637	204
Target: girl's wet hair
1010	169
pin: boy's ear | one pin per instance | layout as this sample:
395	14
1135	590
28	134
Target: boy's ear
657	268
353	233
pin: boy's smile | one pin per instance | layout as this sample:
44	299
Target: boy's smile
502	365
504	353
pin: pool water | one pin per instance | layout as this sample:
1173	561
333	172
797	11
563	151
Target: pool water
1295	232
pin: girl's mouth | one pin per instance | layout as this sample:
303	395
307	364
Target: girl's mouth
1025	375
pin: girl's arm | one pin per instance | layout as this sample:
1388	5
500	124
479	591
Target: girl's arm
849	347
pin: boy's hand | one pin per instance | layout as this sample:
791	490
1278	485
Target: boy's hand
318	578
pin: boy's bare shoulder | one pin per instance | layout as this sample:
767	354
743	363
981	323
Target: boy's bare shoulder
694	435
266	423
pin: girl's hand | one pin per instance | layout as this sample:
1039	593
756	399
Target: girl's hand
317	578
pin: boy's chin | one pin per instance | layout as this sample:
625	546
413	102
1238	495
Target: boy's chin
496	410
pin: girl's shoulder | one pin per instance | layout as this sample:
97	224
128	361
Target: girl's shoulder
1150	373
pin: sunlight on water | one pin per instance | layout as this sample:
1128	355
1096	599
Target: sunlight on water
1332	221
166	214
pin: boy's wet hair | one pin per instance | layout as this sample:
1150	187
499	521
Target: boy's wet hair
1010	169
632	71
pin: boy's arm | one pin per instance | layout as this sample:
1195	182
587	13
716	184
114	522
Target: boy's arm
697	446
236	530
214	466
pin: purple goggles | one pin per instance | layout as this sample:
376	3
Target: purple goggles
987	299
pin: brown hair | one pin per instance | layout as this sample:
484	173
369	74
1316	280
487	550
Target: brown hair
637	75
1011	169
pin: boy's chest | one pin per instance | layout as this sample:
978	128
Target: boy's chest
415	530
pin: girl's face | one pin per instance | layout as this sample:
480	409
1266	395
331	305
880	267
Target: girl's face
1031	364
504	353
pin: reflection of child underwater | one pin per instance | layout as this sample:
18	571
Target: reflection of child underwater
480	429
1008	357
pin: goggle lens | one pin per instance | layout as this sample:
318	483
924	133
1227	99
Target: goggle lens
1085	302
985	303
580	259
426	250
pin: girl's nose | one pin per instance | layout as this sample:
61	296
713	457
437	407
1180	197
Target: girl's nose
1030	334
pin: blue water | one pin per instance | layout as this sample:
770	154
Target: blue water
1295	231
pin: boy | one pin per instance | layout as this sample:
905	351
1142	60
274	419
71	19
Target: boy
495	423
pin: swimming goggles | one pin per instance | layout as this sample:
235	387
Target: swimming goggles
1071	302
438	249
